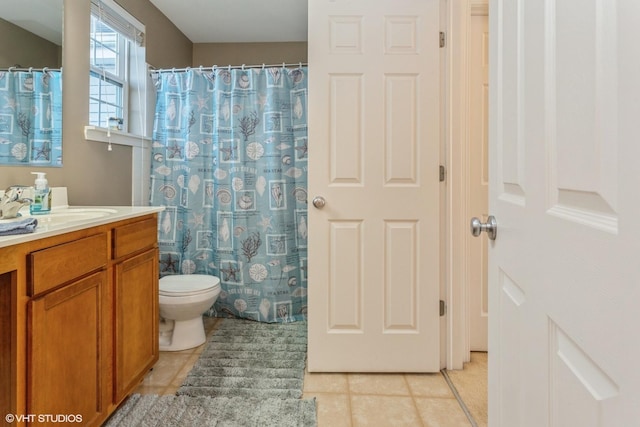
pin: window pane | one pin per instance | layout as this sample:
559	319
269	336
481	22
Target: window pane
108	75
105	47
105	100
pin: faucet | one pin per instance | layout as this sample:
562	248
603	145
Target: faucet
12	201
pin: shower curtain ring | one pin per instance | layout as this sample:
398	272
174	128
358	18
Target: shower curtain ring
242	67
30	69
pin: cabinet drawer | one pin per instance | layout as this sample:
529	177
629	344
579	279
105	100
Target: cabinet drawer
54	266
130	238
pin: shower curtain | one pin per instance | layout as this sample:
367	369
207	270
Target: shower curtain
31	117
229	163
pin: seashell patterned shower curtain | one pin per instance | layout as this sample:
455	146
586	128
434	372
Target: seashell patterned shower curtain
229	163
31	117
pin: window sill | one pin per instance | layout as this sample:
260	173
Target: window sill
98	134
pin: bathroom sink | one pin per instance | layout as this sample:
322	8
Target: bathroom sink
59	216
92	212
64	216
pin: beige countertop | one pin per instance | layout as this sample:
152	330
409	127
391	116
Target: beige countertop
65	219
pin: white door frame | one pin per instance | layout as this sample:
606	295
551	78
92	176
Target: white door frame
457	152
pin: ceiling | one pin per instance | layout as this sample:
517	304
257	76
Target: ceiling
41	17
226	21
202	21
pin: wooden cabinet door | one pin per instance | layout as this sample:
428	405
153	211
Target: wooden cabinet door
136	320
7	325
67	363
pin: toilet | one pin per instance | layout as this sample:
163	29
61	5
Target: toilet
183	300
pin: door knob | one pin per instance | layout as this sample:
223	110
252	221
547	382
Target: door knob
491	227
319	202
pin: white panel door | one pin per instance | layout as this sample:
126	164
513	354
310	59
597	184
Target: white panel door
374	76
563	271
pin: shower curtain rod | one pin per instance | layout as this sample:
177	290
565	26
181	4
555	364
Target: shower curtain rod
227	67
29	69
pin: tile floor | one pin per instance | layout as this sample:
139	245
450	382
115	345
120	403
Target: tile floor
349	400
173	366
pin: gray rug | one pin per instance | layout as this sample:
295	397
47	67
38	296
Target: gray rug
250	359
185	411
250	374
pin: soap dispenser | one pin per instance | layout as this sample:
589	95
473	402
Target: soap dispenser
41	195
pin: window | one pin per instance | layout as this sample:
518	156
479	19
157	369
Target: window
108	81
116	43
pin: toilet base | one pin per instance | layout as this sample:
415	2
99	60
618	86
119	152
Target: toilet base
186	334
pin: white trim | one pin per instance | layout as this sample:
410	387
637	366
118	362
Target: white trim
140	157
445	339
454	354
458	350
98	134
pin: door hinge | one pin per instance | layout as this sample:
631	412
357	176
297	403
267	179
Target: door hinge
443	308
443	173
442	39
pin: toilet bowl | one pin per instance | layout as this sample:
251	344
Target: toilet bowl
183	301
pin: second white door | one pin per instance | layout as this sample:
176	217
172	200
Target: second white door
374	156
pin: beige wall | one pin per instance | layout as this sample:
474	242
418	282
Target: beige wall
209	54
21	47
166	46
93	175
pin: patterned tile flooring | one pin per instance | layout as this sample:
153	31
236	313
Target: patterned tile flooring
354	400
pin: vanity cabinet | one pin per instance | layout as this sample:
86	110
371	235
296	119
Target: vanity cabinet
81	320
6	349
136	304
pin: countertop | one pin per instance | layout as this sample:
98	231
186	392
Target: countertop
56	223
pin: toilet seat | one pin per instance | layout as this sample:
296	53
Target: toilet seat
188	285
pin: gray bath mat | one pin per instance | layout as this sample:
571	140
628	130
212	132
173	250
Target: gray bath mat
181	411
248	359
250	374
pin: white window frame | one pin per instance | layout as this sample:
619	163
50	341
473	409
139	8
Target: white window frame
136	126
120	79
